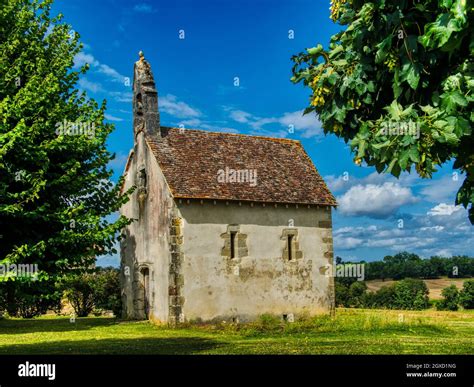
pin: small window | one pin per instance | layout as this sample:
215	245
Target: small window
290	247
233	235
235	246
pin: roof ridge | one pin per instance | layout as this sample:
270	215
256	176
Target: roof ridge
277	139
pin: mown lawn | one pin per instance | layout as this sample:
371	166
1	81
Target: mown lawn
352	331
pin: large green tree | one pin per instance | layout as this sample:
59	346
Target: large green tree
397	83
55	187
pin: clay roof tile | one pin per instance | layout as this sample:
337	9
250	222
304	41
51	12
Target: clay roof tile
191	161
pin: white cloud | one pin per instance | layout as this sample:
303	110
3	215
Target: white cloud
443	189
345	181
381	242
196	123
337	183
82	58
191	123
444	230
144	8
444	209
432	228
170	104
122	96
347	243
240	116
406	243
391	232
85	84
306	125
111	73
355	230
113	118
426	233
376	201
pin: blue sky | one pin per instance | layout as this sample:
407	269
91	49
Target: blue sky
248	42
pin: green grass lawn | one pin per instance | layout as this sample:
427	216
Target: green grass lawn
352	331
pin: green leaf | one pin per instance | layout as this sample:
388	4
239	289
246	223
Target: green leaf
458	98
451	138
361	88
446	3
403	161
413	76
440	124
394	110
450	101
315	50
459	12
339	48
340	63
367	99
414	155
397	90
428	109
340	115
371	86
361	149
462	127
436	33
381	145
396	170
391	165
383	49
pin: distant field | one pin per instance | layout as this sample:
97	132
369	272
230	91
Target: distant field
435	286
352	331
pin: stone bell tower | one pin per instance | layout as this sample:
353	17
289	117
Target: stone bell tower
146	117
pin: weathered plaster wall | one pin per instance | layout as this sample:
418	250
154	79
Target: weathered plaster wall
259	280
147	242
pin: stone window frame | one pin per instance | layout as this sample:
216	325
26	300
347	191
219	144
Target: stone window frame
296	253
240	246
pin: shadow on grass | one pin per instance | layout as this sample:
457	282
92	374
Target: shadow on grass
137	346
57	324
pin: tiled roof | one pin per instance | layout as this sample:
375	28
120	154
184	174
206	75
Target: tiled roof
194	164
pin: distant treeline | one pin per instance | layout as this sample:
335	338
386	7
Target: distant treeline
409	293
408	265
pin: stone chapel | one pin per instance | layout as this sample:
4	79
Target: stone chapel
226	226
